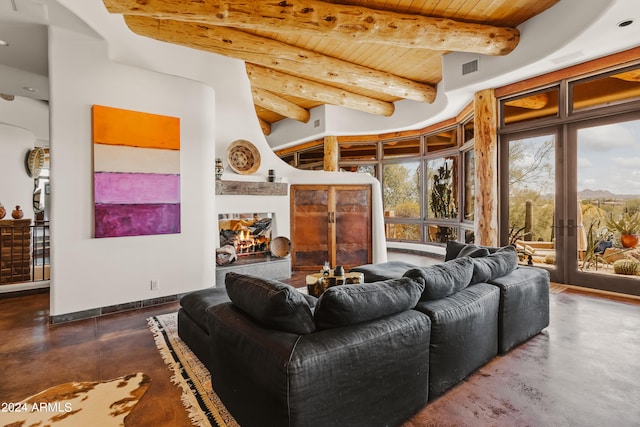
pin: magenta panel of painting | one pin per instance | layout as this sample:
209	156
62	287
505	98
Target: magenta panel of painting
137	219
115	188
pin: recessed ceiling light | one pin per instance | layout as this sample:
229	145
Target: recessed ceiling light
30	89
625	23
4	43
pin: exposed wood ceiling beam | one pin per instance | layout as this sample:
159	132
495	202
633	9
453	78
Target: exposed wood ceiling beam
287	84
281	56
266	127
312	17
265	99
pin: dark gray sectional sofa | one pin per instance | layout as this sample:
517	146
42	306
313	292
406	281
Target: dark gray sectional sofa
370	354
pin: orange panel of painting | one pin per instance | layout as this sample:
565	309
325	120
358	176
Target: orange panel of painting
132	128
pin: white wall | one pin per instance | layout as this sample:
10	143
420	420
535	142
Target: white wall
16	187
236	119
88	272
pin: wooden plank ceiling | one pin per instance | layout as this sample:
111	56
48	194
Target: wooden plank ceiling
360	54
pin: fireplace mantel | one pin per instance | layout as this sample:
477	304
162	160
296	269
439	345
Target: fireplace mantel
251	188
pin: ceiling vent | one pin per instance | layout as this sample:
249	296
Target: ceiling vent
470	67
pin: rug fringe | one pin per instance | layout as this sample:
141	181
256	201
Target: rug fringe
193	410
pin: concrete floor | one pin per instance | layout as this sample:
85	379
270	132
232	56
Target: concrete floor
583	370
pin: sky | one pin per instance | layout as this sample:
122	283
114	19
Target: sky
609	158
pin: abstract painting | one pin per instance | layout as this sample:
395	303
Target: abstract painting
136	163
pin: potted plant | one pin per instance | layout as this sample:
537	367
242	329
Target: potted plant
627	226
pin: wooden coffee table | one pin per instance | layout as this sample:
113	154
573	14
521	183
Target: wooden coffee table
317	283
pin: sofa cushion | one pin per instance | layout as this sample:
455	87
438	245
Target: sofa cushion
350	304
272	303
497	264
454	248
383	270
442	280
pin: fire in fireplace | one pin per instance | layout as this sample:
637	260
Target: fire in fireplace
245	234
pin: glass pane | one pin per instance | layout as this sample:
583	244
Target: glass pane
609	199
442	187
289	159
607	90
469	236
443	140
407	147
469	184
358	151
532	198
401	190
312	155
370	169
403	231
531	107
469	130
441	234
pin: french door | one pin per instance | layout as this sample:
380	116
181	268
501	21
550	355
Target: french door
603	176
562	190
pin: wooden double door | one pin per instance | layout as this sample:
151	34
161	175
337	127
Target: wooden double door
330	223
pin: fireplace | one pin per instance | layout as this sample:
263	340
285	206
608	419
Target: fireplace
245	240
245	234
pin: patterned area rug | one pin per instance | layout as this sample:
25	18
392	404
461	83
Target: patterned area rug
202	403
101	403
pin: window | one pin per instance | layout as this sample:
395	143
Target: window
402	148
311	158
469	196
442	188
604	90
401	189
532	106
359	152
442	140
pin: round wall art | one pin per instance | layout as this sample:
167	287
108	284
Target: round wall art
35	162
243	157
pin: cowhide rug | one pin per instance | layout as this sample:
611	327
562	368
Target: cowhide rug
100	403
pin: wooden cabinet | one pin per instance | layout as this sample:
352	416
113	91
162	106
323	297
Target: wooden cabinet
15	250
330	223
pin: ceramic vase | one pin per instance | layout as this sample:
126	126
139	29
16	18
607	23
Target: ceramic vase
219	168
3	211
629	240
17	213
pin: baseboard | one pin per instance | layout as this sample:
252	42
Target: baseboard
601	292
112	309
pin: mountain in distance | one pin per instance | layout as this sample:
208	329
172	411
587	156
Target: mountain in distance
604	194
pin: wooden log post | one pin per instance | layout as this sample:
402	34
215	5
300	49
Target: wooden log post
331	151
486	171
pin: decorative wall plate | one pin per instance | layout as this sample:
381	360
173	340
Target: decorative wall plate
280	246
35	162
243	157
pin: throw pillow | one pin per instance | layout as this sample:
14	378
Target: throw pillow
473	251
272	303
497	264
350	304
442	280
453	249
